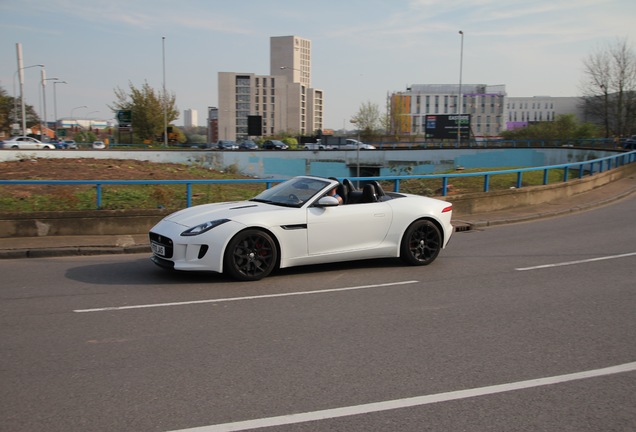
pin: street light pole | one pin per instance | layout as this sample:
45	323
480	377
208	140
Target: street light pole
15	99
44	80
301	82
90	121
165	107
459	97
73	110
355	122
55	103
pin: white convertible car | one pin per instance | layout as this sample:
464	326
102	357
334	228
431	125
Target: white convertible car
297	223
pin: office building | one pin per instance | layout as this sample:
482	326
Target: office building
284	99
484	103
521	111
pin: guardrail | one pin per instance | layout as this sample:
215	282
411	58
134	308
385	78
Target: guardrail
581	168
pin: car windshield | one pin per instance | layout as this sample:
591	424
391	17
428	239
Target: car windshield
292	193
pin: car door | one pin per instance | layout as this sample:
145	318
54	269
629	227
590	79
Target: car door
26	143
347	227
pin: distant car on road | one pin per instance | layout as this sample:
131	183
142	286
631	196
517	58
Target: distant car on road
99	145
630	143
226	145
26	143
248	145
67	144
355	144
318	145
274	145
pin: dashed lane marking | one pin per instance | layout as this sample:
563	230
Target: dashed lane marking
231	299
408	402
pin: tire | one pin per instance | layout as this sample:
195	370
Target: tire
251	255
421	243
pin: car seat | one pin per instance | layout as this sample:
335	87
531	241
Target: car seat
369	194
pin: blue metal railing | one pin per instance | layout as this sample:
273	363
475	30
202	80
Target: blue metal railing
593	166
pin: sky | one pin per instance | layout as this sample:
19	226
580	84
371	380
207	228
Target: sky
361	49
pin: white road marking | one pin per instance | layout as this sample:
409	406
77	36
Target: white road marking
408	402
154	305
576	262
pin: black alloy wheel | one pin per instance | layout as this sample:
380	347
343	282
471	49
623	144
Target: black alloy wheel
251	255
421	243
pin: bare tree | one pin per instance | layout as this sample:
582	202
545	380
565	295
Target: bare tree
609	88
367	119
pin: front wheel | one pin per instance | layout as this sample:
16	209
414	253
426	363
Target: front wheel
251	255
421	243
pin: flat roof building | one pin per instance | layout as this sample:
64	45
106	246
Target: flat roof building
521	111
484	103
190	118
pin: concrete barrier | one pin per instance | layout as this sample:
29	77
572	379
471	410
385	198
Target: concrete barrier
476	203
96	222
123	222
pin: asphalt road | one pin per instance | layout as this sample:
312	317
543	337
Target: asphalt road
525	327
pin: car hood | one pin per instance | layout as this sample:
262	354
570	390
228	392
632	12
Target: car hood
239	211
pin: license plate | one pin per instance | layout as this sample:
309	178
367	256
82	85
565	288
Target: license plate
158	249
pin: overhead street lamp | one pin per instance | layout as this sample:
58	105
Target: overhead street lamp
90	121
356	123
459	96
19	71
44	80
165	100
301	92
55	103
73	110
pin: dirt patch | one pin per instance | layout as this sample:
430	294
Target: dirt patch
27	198
100	169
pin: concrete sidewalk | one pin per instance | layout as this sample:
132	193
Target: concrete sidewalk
50	246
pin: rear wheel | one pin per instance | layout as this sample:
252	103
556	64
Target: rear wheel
251	255
421	243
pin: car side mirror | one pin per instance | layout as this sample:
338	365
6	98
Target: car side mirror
328	201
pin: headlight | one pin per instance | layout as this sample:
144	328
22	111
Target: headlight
201	228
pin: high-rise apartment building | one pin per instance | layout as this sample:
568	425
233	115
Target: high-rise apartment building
190	118
284	99
291	56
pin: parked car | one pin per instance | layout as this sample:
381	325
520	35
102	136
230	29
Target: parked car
630	143
66	144
26	143
99	145
248	145
355	144
318	145
295	223
274	145
226	145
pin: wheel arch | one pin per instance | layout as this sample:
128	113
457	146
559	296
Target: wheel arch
258	228
431	219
